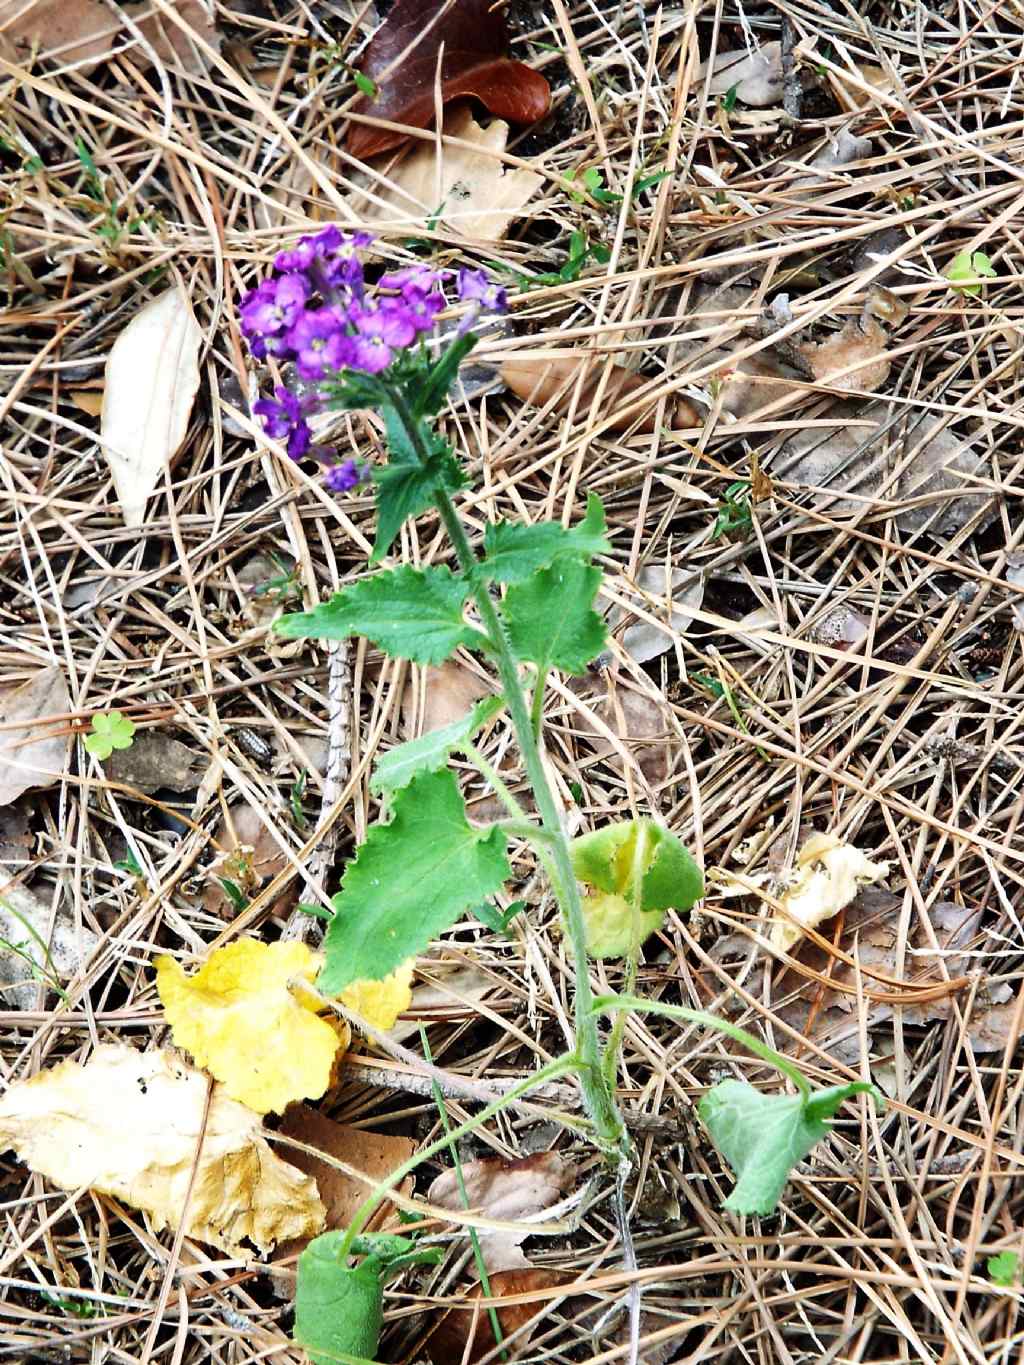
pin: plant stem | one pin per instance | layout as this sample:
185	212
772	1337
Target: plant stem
607	1004
537	709
598	1095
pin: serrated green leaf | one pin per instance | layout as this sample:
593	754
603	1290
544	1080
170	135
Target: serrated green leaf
430	752
410	880
410	613
513	551
550	619
338	1310
609	861
1003	1269
764	1136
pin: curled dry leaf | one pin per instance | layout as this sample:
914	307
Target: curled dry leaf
238	1017
402	62
861	455
471	191
129	1124
658	594
31	753
506	1190
464	1335
841	628
553	380
51	947
152	377
855	360
828	874
756	75
838	152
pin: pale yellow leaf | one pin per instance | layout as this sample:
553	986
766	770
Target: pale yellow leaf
239	1019
152	376
470	190
827	876
128	1124
33	754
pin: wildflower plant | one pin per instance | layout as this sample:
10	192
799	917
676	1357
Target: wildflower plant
527	605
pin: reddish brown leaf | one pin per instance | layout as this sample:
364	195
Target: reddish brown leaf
447	1344
474	64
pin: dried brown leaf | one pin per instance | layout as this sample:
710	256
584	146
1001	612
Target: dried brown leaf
403	59
544	380
48	940
658	594
447	1344
757	75
156	761
31	754
507	1190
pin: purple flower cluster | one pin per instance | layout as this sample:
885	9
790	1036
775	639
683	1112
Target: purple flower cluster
313	312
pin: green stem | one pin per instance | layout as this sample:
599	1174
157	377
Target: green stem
537	709
618	1029
598	1094
559	1067
608	1004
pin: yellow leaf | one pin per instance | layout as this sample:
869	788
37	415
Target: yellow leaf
129	1124
238	1018
381	1002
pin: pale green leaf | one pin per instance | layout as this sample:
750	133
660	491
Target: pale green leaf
550	618
410	880
513	551
634	871
430	752
764	1136
410	613
1004	1268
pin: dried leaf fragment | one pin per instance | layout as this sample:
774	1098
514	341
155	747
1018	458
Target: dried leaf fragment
757	76
472	192
542	380
447	1344
827	876
505	1190
264	1042
855	360
39	944
402	62
129	1123
63	30
152	377
31	754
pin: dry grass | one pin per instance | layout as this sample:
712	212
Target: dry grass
910	744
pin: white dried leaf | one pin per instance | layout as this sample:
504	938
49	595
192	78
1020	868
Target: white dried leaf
129	1124
473	192
25	921
756	75
152	377
827	876
31	755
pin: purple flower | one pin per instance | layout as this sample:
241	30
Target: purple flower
412	277
379	332
330	257
283	419
268	311
342	478
320	342
421	308
475	286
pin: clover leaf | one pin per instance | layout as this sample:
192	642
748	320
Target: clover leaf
110	731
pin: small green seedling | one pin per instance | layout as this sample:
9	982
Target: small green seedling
284	585
129	863
498	920
968	271
114	224
734	512
364	85
728	100
110	730
1004	1269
